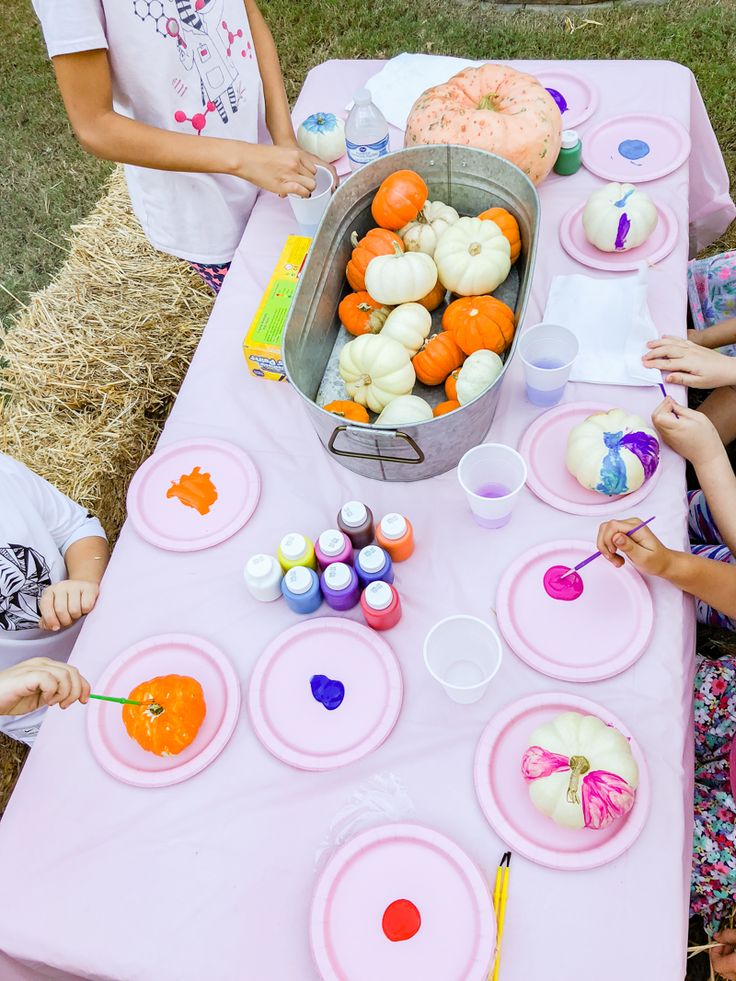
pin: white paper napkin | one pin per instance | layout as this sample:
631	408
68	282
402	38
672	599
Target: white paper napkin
612	323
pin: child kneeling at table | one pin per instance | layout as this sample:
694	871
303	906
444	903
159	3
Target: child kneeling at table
52	557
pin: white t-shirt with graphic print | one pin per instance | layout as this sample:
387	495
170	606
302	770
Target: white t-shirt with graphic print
188	66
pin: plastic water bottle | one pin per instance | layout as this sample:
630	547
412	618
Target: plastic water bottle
366	131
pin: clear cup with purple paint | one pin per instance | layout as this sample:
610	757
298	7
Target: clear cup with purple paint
547	352
492	476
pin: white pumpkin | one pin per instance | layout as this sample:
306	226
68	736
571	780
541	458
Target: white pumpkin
612	452
619	217
478	372
473	257
409	324
422	234
580	771
376	370
405	411
400	278
323	134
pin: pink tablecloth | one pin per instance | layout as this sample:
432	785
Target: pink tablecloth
212	879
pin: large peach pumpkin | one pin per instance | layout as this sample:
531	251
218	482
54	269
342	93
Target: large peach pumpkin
493	108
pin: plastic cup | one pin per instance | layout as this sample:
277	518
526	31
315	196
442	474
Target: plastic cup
547	352
463	654
492	476
308	211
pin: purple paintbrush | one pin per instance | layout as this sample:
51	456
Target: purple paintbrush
595	555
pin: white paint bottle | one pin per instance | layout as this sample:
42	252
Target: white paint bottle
263	577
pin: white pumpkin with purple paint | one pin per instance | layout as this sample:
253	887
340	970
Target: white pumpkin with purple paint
612	452
619	217
580	772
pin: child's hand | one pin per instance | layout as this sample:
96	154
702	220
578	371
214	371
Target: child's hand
38	682
723	958
280	169
64	602
642	548
686	363
687	432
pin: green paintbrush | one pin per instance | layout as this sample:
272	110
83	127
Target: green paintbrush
154	707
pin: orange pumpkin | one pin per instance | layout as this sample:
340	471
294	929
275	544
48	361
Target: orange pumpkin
435	296
378	241
509	227
480	323
444	407
168	732
439	356
451	385
399	199
348	410
360	314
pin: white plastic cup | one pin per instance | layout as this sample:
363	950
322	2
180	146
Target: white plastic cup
492	476
463	654
547	352
309	211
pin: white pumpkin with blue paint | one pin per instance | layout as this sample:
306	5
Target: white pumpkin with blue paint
619	217
612	452
323	134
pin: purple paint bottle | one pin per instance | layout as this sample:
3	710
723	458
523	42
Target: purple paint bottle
374	565
300	587
333	546
340	586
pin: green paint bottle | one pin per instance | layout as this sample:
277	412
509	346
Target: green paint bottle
571	154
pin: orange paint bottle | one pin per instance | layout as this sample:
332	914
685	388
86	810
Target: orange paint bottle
396	536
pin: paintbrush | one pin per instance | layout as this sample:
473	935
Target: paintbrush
153	707
595	555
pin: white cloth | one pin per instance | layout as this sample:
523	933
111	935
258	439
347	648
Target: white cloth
612	323
172	63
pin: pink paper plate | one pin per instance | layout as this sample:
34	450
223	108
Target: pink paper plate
456	938
659	244
636	147
169	523
185	654
562	639
504	796
576	96
543	446
294	725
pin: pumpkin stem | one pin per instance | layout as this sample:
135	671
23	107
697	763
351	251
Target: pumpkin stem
365	307
397	249
579	766
474	248
354	240
364	380
487	102
153	708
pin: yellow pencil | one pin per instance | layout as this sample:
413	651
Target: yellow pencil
500	907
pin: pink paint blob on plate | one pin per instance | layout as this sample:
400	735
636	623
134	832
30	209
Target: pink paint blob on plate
567	589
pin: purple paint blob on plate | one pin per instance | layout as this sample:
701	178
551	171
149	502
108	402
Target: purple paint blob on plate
624	227
645	448
327	691
559	99
633	149
570	588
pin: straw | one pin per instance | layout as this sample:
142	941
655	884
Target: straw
500	895
596	555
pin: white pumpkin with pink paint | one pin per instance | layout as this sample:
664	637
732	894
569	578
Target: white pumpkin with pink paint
619	217
580	772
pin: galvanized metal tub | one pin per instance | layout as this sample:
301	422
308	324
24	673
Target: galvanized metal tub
471	181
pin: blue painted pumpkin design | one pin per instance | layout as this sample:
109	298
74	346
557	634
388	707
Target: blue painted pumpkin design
612	452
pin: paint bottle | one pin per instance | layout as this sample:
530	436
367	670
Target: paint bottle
340	586
356	521
295	549
395	535
381	606
571	154
333	546
263	577
372	565
300	588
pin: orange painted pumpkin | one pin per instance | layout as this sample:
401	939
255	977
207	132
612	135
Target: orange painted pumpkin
509	227
444	407
348	410
435	296
378	241
399	199
169	732
480	323
439	356
360	314
451	385
494	108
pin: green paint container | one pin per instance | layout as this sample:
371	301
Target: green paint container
571	154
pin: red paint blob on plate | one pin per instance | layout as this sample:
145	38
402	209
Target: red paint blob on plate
569	588
401	921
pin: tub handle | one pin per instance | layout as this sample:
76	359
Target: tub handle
396	433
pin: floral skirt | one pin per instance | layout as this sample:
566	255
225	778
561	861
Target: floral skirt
711	290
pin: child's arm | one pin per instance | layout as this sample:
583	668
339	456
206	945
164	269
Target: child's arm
716	336
278	115
685	363
86	88
66	601
40	681
710	581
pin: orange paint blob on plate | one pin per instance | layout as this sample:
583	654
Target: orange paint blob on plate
195	490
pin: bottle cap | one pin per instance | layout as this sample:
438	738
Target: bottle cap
362	97
259	566
354	514
331	542
393	526
338	576
298	580
372	558
570	139
293	546
378	595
